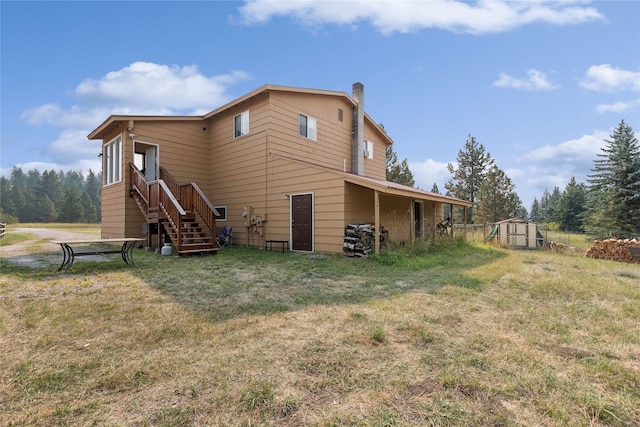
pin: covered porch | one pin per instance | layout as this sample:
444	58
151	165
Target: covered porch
407	214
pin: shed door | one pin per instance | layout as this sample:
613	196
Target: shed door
302	222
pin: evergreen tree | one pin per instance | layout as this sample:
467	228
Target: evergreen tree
551	213
73	179
6	204
570	206
544	206
71	209
94	189
20	196
496	198
46	210
88	207
536	211
435	189
613	199
398	172
473	166
51	185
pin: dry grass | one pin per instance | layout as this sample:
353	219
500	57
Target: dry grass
465	335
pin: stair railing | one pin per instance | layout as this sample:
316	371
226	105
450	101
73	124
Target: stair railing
171	210
139	185
172	183
192	199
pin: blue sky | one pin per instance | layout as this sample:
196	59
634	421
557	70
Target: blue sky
539	83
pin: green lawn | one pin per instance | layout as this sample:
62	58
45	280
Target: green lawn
453	334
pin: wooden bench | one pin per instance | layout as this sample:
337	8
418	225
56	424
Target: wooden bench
69	254
268	245
635	253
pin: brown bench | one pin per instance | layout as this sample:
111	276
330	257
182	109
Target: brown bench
635	253
269	244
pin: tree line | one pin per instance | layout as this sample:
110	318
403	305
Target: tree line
608	204
50	196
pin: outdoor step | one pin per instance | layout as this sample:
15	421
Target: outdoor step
211	251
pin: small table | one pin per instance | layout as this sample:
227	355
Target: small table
69	254
268	245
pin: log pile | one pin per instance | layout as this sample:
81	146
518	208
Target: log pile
612	249
360	239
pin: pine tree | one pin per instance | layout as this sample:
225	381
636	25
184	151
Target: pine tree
613	199
473	166
71	209
94	189
551	213
570	206
398	172
46	210
51	185
497	199
536	211
435	189
544	206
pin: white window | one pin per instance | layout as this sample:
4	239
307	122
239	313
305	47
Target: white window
222	213
111	161
307	126
241	124
368	149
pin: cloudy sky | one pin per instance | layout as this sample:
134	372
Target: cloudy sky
541	84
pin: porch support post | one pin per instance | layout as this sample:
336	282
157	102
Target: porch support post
376	217
412	225
434	214
464	215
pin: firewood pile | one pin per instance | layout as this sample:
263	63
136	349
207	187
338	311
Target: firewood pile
360	239
612	249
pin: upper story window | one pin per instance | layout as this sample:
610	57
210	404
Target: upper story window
307	126
368	149
112	161
241	124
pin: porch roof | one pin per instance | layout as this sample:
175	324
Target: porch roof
384	186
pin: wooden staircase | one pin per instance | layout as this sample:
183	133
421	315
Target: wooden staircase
182	211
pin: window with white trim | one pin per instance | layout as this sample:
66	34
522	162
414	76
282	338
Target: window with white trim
241	124
222	213
368	149
112	161
307	126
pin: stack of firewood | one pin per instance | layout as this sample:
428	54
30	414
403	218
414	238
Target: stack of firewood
612	249
360	239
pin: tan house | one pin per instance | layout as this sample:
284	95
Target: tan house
280	163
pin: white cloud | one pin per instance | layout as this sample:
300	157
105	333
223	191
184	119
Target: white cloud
428	172
141	88
72	145
148	85
535	81
581	150
485	16
605	78
618	107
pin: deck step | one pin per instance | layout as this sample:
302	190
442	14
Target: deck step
212	251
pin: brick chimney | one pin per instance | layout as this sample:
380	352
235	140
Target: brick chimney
357	130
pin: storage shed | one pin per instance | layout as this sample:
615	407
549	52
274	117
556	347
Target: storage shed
517	233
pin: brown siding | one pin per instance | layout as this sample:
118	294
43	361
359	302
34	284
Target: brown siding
183	149
376	167
333	145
